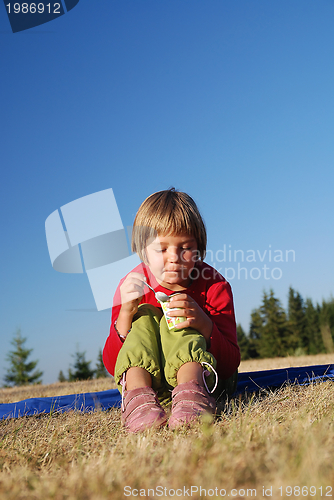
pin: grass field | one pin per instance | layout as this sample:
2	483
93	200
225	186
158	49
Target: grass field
280	446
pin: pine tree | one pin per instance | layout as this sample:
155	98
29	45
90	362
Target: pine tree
255	333
274	333
298	341
81	368
100	370
312	328
326	320
306	328
61	377
243	342
20	370
327	312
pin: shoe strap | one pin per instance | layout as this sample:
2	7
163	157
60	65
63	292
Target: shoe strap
206	373
123	384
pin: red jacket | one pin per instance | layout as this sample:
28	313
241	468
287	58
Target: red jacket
213	294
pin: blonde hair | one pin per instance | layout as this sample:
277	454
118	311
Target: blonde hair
166	213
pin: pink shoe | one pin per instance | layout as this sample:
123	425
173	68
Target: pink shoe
141	409
190	401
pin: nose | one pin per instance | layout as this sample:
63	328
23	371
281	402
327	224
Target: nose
173	255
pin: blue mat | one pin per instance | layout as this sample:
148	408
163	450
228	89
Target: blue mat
267	379
81	402
88	402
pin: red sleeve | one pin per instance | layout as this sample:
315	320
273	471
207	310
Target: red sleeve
224	344
113	343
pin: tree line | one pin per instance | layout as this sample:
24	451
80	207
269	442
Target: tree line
303	329
23	372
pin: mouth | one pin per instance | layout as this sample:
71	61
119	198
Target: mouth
177	273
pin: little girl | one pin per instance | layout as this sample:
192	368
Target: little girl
148	359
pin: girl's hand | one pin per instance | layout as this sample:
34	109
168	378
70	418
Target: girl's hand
132	289
196	317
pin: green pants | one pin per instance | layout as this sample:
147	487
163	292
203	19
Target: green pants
160	351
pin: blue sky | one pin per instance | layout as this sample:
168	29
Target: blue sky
230	101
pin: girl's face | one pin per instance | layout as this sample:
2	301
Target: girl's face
171	259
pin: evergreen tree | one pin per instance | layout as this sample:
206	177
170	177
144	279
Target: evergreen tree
20	370
243	342
61	377
312	328
298	340
305	329
274	333
81	368
326	320
327	313
255	333
100	370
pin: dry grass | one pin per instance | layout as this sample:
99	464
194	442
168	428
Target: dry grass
14	394
254	365
282	439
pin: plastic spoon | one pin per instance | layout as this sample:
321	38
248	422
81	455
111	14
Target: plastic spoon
160	296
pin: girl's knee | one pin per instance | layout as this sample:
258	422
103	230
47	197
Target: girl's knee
148	310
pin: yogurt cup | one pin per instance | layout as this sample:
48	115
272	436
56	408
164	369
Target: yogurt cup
172	321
